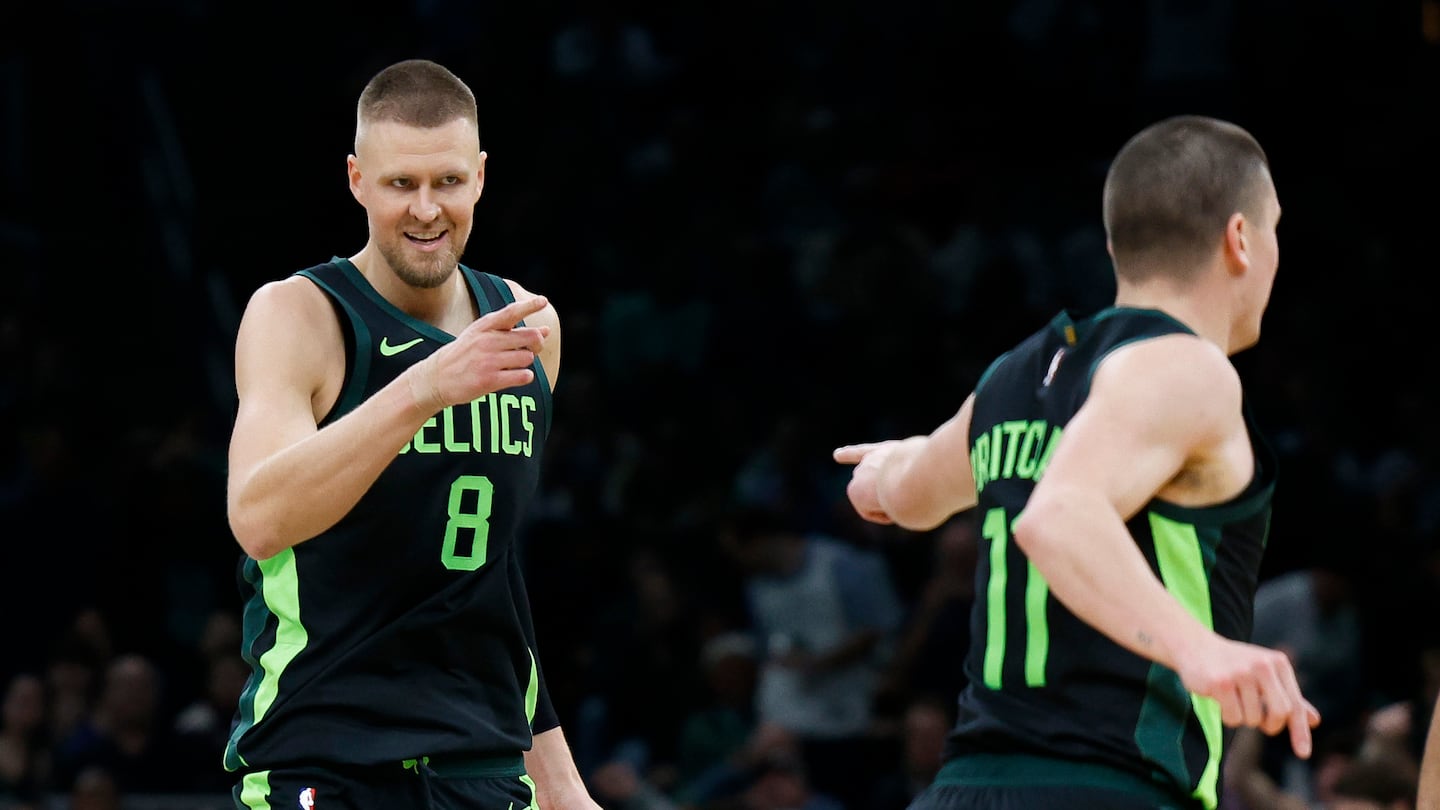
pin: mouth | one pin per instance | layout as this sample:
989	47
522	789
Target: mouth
426	240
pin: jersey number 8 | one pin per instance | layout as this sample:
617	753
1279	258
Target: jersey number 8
477	520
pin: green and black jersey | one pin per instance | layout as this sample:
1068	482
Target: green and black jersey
1043	682
404	630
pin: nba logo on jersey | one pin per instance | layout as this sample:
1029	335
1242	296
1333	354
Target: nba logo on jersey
307	799
1054	367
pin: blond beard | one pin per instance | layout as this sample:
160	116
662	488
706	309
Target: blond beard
426	274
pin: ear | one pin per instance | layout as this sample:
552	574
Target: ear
1237	256
480	177
352	170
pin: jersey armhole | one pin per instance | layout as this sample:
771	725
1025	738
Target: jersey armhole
357	347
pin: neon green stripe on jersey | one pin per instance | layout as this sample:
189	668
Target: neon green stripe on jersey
532	690
255	790
282	596
277	591
1181	555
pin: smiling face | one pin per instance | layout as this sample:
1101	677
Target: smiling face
419	187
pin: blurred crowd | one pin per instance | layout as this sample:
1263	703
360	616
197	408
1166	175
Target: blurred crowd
768	231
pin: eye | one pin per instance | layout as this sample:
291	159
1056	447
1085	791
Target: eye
401	182
452	180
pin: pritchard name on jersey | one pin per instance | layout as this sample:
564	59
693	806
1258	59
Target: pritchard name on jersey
1019	448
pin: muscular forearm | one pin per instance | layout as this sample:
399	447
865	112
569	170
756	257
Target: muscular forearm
912	494
1094	568
307	487
551	766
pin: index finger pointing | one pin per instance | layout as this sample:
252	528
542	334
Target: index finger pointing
1300	722
511	314
852	453
1303	715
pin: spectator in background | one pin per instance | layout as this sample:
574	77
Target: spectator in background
75	668
783	781
1401	734
1373	784
925	725
124	734
824	614
202	728
95	788
73	677
1251	782
651	630
25	755
1310	614
618	784
724	718
718	735
929	657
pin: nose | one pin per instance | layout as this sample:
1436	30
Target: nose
425	208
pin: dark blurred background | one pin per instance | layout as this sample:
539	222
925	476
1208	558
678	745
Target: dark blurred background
768	229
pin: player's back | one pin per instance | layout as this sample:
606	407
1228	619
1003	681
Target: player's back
1043	682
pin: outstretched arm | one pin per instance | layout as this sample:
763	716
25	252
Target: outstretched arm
917	482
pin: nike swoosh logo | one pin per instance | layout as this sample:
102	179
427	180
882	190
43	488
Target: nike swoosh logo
387	350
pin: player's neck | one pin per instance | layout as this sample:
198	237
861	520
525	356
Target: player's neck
1195	307
440	306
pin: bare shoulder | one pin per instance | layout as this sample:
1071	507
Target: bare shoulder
545	317
290	331
293	301
1179	378
1190	351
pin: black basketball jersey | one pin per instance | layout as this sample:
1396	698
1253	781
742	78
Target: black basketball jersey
404	630
1041	681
